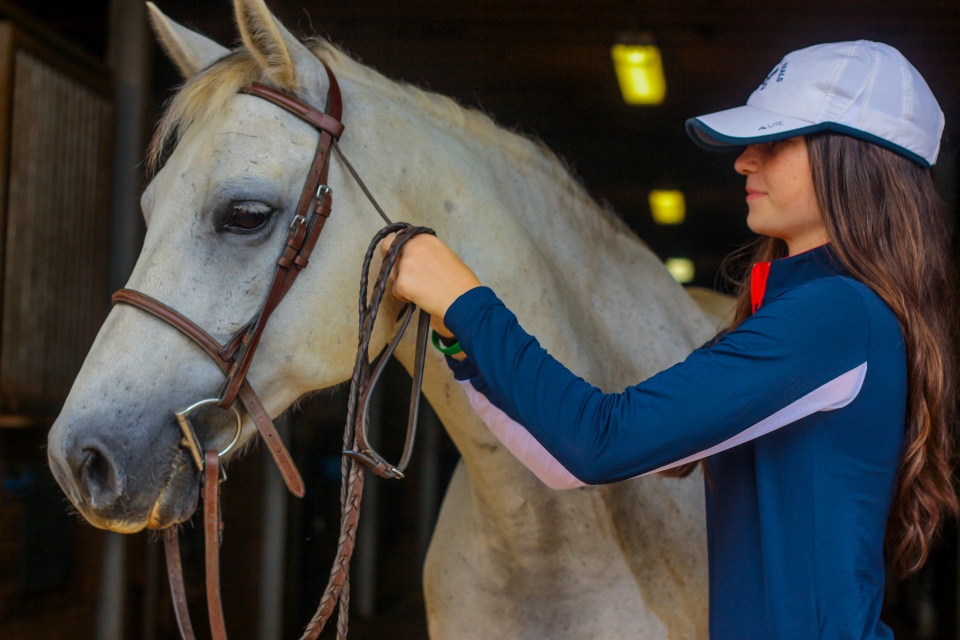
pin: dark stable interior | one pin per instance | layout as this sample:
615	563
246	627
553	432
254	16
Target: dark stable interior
540	68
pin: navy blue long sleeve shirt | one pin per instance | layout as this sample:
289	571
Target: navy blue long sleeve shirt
800	411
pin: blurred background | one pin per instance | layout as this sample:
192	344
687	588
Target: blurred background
545	69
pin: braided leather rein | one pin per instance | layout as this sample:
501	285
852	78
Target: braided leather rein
234	359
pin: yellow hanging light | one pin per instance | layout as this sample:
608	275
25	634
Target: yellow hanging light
682	269
667	206
639	69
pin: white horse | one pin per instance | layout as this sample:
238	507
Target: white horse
510	558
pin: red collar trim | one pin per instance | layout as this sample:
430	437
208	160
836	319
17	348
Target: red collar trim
758	284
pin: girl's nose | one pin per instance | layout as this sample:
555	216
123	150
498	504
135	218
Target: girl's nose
748	161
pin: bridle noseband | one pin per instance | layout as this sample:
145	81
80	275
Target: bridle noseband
234	359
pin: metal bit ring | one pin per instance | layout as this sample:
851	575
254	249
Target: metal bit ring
190	439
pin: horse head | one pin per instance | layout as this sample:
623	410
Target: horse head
218	213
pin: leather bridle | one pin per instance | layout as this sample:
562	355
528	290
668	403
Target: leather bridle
234	359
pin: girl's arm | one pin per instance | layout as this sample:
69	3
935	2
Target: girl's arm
801	353
511	434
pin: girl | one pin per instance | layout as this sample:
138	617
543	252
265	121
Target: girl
823	415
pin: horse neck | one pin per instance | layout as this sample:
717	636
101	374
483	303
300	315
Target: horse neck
577	279
530	231
486	191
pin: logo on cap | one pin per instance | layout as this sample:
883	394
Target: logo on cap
778	71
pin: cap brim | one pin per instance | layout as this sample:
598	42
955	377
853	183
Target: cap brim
741	126
745	125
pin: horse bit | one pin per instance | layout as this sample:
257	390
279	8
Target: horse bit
234	360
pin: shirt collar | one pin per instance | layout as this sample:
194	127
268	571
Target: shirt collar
769	279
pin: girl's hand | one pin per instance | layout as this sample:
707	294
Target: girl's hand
429	274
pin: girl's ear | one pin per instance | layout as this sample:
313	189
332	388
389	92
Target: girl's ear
189	50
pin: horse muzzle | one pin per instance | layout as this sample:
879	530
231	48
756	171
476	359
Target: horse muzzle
126	478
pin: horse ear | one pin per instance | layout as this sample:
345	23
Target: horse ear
277	50
189	50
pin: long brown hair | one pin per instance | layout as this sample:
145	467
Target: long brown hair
888	228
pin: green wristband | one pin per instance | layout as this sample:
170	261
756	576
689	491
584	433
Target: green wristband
452	350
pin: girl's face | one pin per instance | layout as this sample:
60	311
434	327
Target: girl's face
780	193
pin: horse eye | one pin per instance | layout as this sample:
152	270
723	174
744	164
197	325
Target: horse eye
247	216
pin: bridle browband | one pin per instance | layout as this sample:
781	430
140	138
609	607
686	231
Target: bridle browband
234	359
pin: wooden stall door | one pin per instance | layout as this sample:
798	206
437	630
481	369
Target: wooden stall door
56	123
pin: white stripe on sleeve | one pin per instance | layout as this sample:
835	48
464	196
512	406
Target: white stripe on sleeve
520	443
835	394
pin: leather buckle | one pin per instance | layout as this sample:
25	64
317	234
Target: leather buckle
372	460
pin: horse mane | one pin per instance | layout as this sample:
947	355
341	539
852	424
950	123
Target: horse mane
206	95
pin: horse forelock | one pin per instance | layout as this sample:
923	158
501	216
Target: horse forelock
201	99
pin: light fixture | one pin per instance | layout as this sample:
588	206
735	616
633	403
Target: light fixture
667	206
682	269
639	68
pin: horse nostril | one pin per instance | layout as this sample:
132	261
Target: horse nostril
98	475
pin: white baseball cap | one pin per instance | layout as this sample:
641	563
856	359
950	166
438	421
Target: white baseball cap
863	89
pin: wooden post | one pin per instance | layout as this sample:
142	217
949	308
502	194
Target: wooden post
129	58
152	576
429	498
113	581
273	544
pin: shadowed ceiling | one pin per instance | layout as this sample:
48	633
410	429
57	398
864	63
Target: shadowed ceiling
543	68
